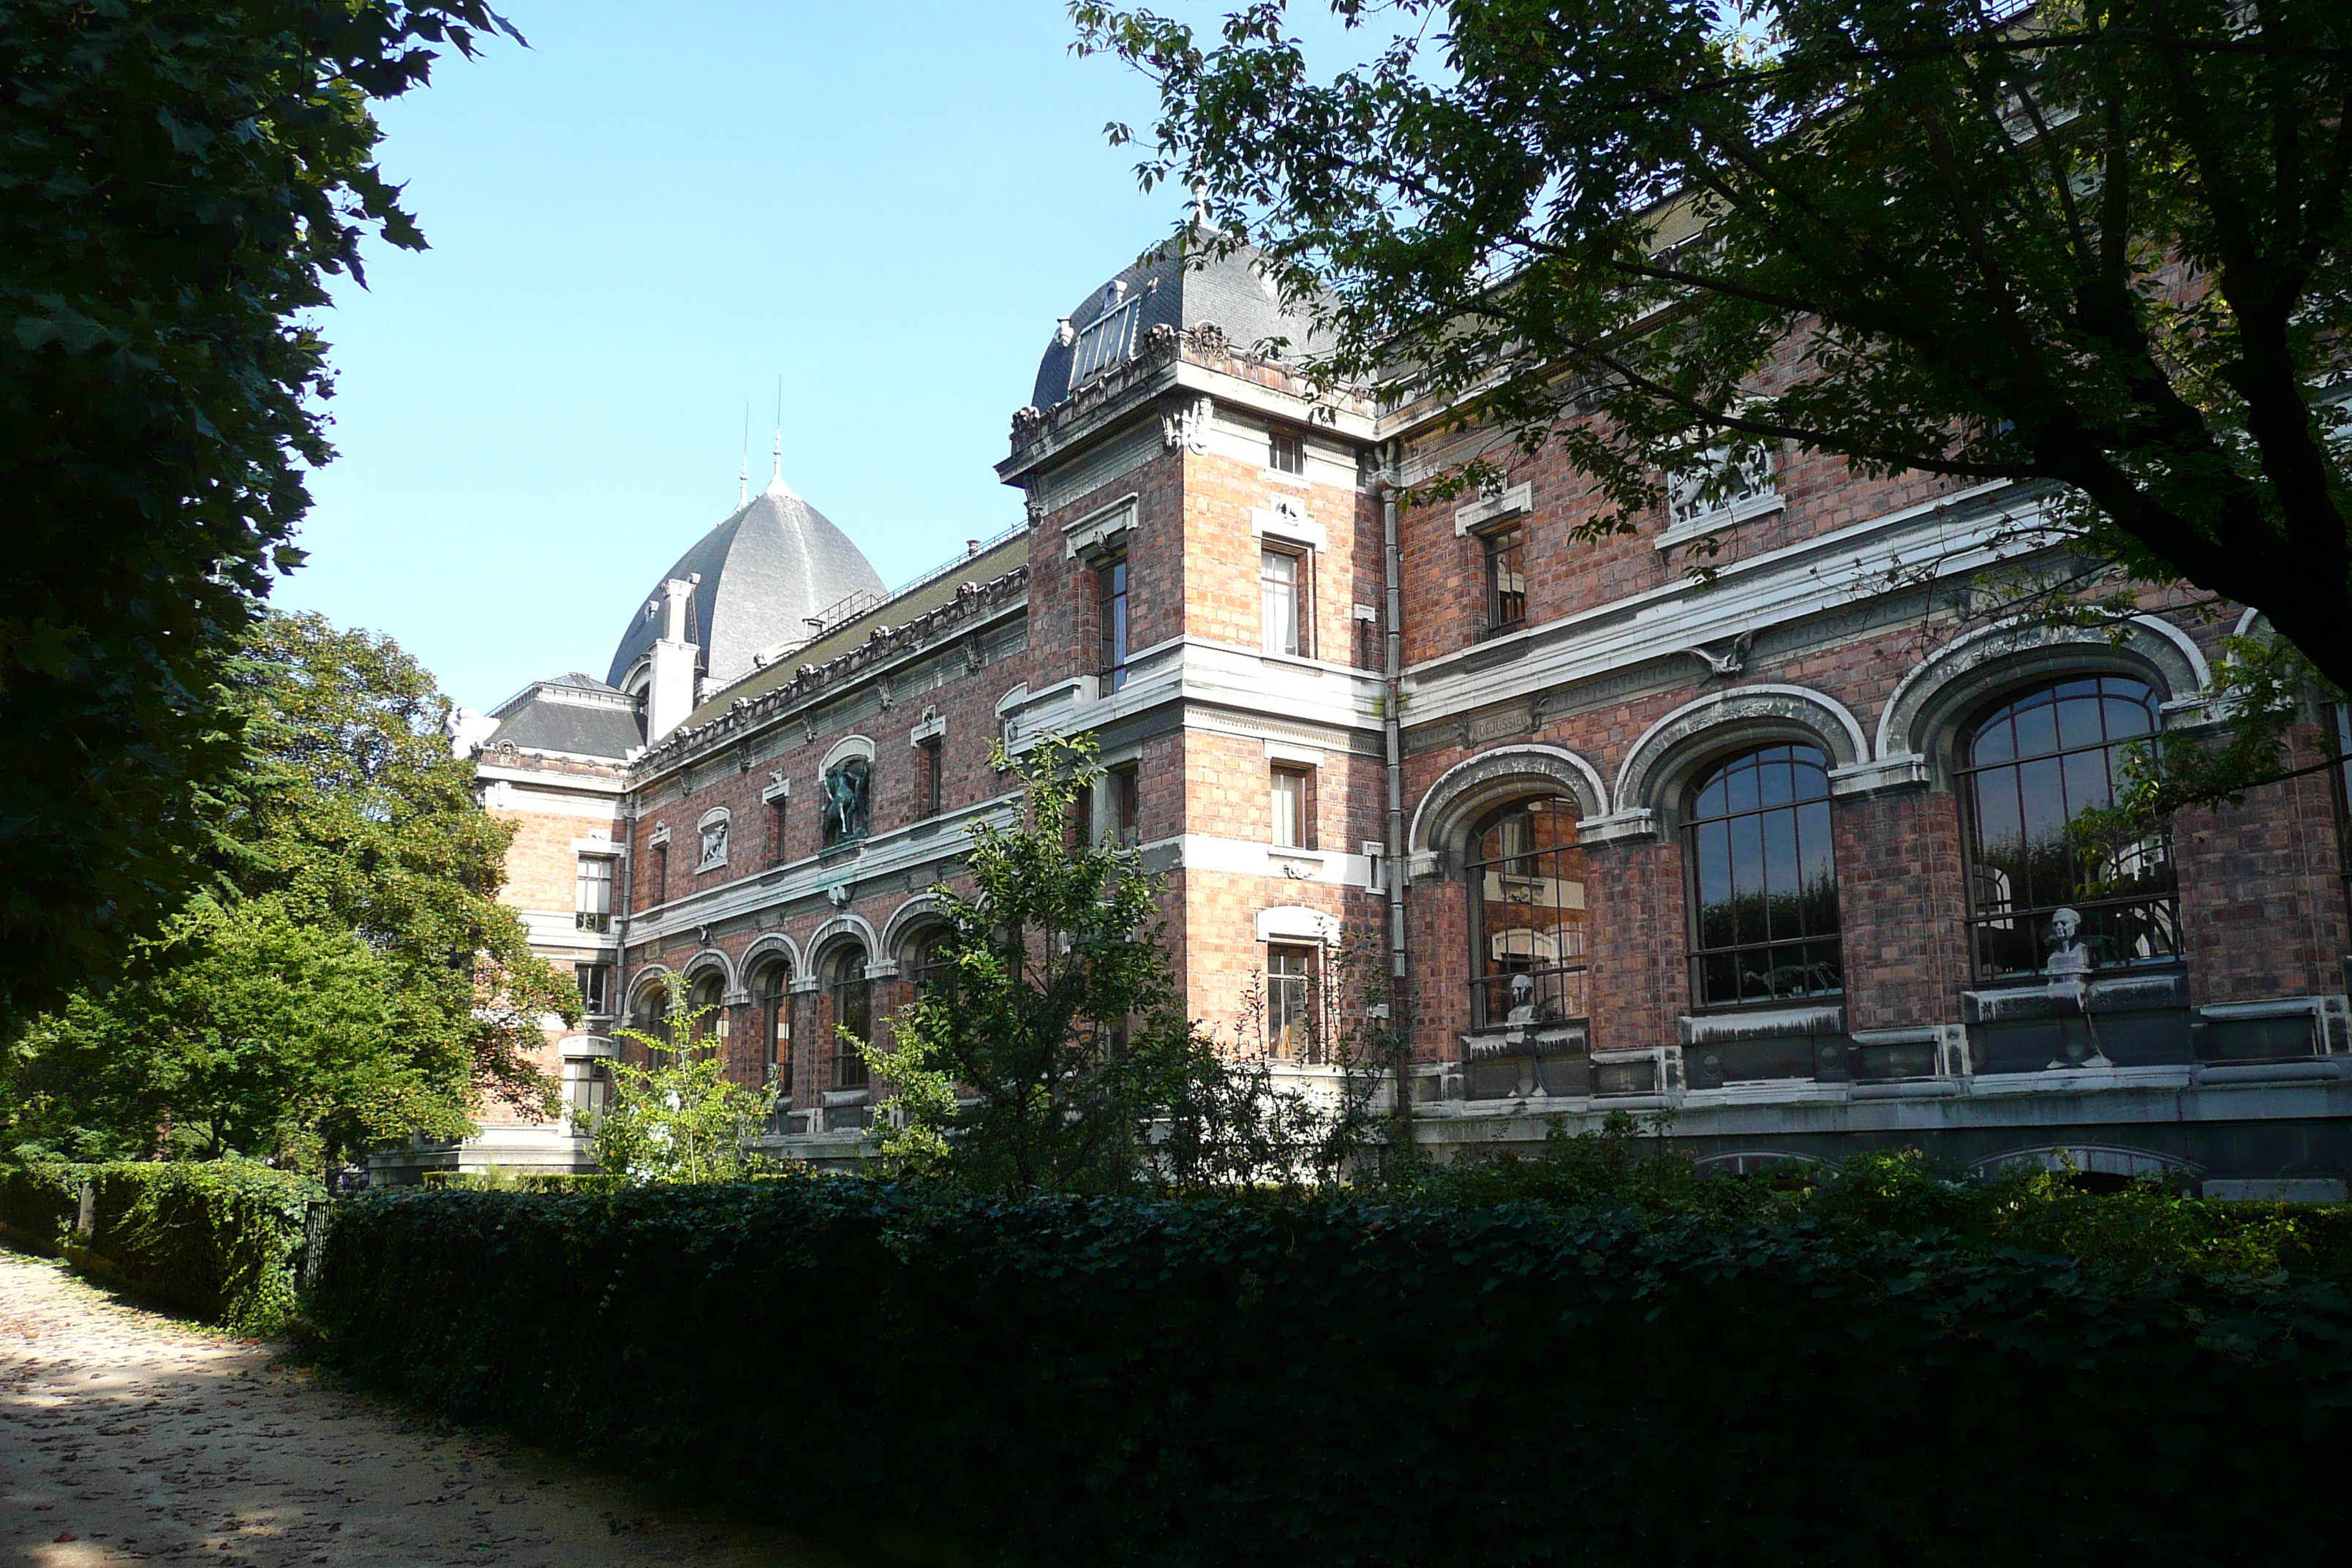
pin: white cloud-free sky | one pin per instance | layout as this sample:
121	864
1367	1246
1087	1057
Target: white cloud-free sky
637	224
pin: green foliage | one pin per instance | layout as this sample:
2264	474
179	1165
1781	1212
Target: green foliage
2099	244
1057	1056
350	977
177	181
222	1239
1728	1372
679	1117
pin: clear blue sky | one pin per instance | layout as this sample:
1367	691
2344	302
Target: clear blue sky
637	224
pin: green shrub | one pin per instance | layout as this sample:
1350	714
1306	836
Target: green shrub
222	1239
37	1202
1364	1380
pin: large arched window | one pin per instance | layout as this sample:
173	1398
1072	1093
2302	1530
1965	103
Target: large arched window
1528	917
708	1006
776	1024
1763	881
852	1010
2047	895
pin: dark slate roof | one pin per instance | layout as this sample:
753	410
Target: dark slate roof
577	715
1232	291
774	563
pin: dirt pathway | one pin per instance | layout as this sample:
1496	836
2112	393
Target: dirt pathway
127	1436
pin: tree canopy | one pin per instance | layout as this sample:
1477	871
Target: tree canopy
347	975
2095	244
178	180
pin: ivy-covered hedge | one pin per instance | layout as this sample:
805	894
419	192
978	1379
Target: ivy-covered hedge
1352	1381
221	1238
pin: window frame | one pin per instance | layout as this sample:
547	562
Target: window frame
1693	825
1125	782
1302	779
1298	1040
588	891
1280	441
930	755
1302	598
595	980
2035	918
850	979
1485	971
773	1002
1497	598
1114	620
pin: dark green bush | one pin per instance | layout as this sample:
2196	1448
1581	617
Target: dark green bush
1352	1380
222	1239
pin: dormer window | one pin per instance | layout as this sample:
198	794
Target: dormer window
1106	343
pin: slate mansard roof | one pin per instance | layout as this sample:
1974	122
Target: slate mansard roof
576	716
774	563
1166	290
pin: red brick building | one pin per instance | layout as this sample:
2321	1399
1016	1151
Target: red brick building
1785	853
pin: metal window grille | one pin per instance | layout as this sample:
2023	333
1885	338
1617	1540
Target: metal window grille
1763	881
2030	769
1529	955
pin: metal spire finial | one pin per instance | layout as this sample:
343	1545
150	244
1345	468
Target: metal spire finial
779	475
743	475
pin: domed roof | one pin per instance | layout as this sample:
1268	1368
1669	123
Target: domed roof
775	564
1163	290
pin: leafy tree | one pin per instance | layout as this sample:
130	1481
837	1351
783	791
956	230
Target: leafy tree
2098	244
1056	1055
348	861
679	1116
177	180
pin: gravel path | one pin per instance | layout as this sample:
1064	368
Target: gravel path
127	1436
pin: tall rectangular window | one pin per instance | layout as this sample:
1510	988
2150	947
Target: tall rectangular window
661	873
1293	822
776	830
596	988
1506	580
1125	786
591	893
1290	1003
929	761
1286	452
1282	601
1111	607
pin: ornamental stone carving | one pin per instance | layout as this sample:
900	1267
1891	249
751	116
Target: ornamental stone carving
1209	339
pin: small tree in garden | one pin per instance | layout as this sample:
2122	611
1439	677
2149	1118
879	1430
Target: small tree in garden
679	1117
1056	1055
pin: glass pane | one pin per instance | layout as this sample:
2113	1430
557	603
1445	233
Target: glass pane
1713	864
2037	727
1780	875
1748	877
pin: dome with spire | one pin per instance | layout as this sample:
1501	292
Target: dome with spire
760	577
1167	288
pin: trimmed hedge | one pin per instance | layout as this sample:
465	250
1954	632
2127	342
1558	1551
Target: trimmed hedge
223	1239
1345	1381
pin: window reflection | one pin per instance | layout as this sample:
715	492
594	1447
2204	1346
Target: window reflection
1764	880
2031	768
1527	918
853	1009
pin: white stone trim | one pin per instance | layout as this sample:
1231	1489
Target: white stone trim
1486	511
1296	923
1642	773
848	746
1479	778
1099	530
1293	753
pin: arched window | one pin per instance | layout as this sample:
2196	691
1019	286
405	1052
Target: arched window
852	1010
2045	895
934	965
1764	909
1526	917
650	1014
776	1024
705	1003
